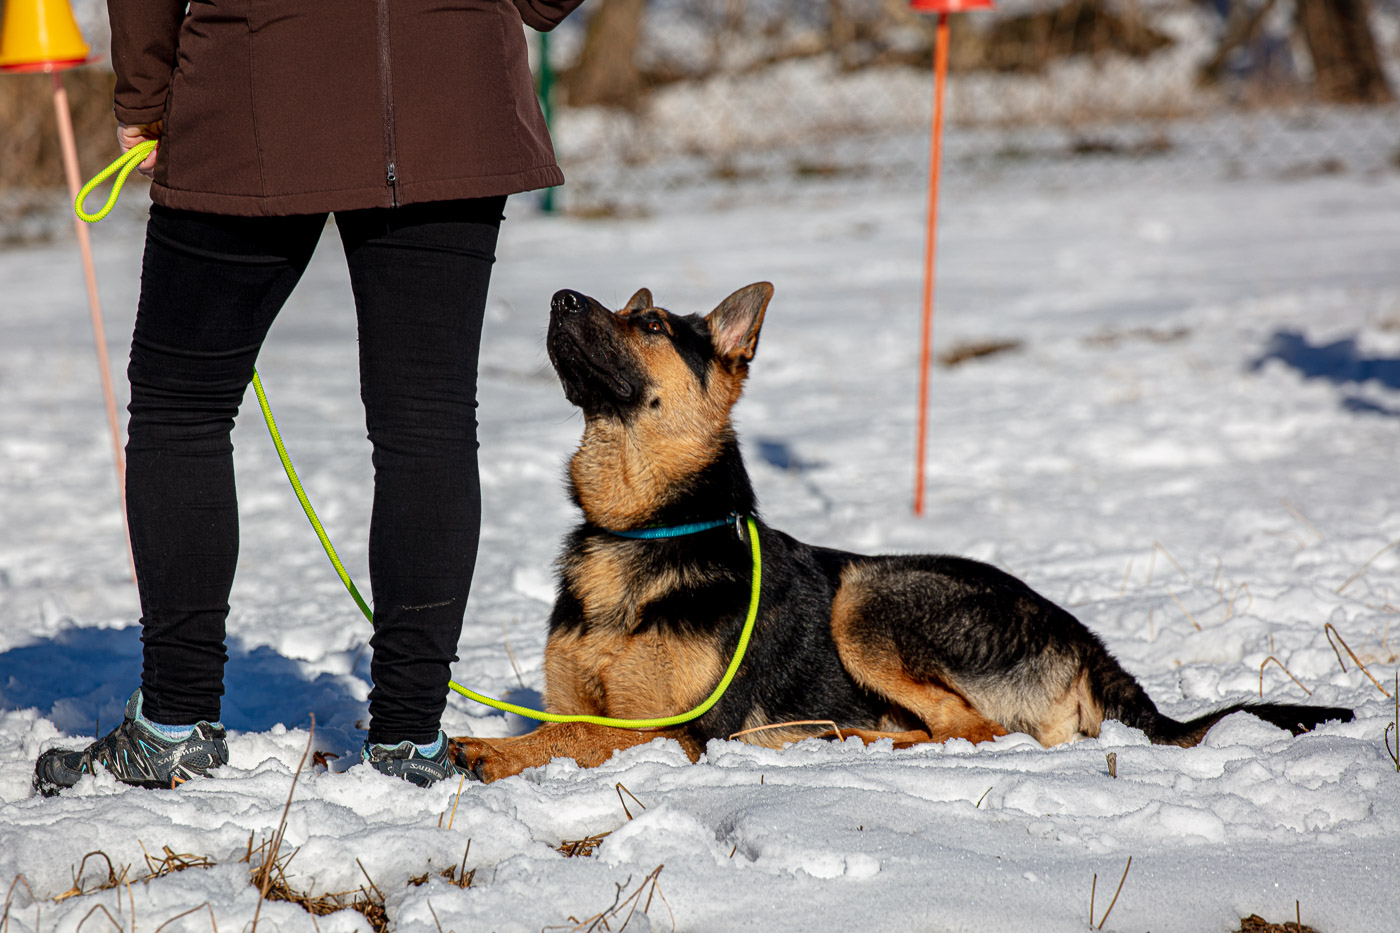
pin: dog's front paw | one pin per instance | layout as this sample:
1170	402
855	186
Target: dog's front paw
484	759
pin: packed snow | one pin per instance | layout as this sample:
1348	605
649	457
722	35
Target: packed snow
1193	446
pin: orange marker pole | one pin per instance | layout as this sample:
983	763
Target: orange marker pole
99	333
940	69
42	35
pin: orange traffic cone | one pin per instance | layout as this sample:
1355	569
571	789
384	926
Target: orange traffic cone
40	35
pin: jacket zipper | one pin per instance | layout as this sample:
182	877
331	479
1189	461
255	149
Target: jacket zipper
386	83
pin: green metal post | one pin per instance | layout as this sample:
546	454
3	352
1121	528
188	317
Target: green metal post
546	88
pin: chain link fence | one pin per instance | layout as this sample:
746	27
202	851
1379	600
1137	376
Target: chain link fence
728	98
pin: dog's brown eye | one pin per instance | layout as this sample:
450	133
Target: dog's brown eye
656	327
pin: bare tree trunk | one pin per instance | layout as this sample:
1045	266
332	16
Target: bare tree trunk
1346	68
606	73
843	31
1239	31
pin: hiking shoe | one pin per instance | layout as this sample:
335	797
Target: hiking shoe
136	753
423	765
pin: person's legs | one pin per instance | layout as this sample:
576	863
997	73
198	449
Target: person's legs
211	286
420	275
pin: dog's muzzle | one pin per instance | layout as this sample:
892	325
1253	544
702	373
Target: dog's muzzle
596	373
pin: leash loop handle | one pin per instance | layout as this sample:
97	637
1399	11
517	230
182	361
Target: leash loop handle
124	164
755	585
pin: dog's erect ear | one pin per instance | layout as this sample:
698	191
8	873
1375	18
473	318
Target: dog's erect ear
734	324
640	301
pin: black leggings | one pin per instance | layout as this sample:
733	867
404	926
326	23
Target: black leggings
211	286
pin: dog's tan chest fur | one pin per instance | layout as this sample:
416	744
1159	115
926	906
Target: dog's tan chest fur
607	667
645	676
605	578
613	595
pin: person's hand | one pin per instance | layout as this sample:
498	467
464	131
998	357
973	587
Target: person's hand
129	135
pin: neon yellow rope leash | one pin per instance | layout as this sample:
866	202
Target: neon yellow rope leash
125	164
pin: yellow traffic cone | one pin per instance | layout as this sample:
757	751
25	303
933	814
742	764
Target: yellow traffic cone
40	35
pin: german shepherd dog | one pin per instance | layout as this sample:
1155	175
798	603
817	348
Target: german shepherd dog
910	648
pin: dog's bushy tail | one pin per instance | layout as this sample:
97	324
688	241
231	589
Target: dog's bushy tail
1122	698
1296	719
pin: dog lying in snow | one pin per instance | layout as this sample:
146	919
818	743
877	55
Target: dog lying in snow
910	648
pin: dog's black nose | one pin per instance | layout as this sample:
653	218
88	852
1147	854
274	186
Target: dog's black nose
567	301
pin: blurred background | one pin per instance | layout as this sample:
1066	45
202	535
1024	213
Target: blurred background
742	99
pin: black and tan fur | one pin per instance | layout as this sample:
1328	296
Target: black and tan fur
914	648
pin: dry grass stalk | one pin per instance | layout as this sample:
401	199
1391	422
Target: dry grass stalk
600	920
1152	564
1303	519
9	896
270	862
1257	924
1299	543
1367	566
455	875
1329	630
1093	890
1387	654
1112	758
372	886
212	922
1185	610
585	847
171	863
369	903
271	867
1126	574
113	878
1394	755
1234	595
975	806
620	787
510	653
372	910
1104	918
1284	669
364	902
464	878
105	912
453	818
795	722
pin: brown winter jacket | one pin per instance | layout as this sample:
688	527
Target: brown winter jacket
303	106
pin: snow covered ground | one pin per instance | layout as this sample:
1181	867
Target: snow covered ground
1194	448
